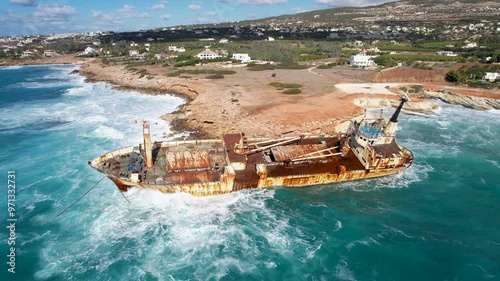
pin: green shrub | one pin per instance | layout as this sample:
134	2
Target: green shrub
306	57
261	67
416	89
292	91
284	85
291	66
202	71
215	76
328	65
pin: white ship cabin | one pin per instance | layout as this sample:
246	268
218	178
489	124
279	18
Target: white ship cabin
373	141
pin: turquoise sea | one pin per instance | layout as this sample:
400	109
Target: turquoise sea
439	220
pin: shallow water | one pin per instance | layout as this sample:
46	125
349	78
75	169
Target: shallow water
436	221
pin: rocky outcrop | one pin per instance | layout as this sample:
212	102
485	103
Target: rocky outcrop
375	102
478	103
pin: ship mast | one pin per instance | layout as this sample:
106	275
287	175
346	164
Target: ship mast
147	144
390	128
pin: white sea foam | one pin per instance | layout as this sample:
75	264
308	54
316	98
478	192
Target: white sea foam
166	236
494	163
108	133
184	228
367	241
12	67
343	272
45	84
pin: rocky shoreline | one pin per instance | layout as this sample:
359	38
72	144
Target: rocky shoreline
212	108
208	110
473	102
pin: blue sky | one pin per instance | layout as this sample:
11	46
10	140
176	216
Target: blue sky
25	17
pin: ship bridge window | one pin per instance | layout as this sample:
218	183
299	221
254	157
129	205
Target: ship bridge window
370	132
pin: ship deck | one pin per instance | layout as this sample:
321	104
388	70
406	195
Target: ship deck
198	162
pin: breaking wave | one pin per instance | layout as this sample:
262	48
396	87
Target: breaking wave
348	231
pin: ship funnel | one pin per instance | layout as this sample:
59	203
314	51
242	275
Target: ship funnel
148	153
390	128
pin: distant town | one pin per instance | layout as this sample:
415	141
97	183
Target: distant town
310	38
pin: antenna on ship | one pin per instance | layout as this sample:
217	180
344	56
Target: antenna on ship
390	128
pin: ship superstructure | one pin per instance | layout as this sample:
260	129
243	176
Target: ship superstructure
367	149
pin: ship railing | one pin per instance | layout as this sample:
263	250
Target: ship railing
111	155
320	136
304	136
406	152
180	143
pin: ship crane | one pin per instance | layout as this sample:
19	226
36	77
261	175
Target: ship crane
391	126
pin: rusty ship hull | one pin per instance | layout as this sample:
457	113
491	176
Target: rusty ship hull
368	149
212	167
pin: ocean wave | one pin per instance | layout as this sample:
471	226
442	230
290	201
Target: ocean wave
342	271
185	236
494	163
108	133
44	84
12	67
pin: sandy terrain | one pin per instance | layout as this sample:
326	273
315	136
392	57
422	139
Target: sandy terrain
367	88
410	75
246	102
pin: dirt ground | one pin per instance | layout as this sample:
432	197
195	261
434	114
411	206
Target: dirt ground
410	75
245	101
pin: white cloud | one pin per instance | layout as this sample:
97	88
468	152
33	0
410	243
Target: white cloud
165	17
23	2
298	10
47	18
109	18
262	2
54	10
128	11
351	3
194	7
11	17
210	13
159	6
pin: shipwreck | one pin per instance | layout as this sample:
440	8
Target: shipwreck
368	149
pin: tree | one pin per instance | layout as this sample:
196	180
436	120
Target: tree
455	76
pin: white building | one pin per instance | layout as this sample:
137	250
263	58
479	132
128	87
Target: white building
174	48
133	53
470	45
242	58
89	50
361	60
491	76
207	55
447	53
27	53
49	53
223	41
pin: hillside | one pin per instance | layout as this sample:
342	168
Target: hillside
400	11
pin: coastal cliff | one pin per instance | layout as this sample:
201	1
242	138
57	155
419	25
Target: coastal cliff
478	103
